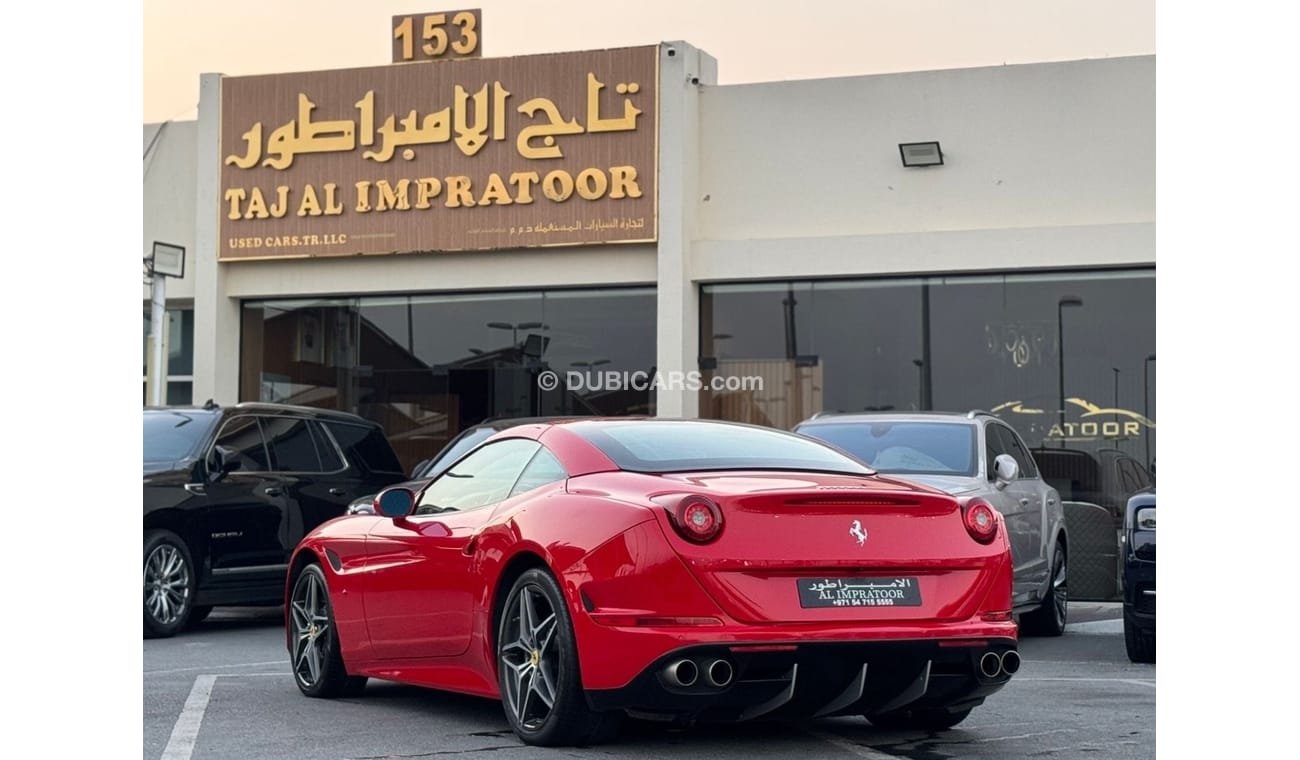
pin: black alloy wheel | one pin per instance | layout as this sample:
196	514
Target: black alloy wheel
537	668
313	640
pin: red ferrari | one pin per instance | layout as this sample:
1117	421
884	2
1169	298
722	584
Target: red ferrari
668	569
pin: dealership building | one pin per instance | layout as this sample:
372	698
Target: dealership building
612	232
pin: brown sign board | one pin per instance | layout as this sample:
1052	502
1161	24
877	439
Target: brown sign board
472	154
435	36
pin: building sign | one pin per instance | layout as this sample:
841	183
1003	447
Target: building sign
474	154
1085	421
434	36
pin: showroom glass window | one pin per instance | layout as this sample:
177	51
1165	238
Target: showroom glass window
1006	343
180	356
428	366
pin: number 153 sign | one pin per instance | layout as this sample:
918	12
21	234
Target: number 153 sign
435	36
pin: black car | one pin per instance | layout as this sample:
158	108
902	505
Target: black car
1140	577
229	492
456	448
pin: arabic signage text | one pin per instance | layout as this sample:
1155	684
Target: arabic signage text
483	154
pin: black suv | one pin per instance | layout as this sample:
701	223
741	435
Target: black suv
229	492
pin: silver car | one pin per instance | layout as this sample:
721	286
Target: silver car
969	455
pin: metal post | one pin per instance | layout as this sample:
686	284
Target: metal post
157	345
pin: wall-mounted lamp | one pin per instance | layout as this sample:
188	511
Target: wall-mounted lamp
921	154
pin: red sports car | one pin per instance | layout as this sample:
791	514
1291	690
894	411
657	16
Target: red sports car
674	569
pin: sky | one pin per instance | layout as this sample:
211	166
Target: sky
753	40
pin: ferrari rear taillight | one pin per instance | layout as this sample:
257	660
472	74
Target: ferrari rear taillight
697	518
981	521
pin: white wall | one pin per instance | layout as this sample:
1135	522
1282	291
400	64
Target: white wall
169	198
813	166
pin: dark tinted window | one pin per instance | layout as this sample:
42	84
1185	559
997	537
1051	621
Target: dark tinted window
652	446
544	469
243	436
995	445
481	479
1012	445
365	445
920	447
172	435
455	450
292	447
329	453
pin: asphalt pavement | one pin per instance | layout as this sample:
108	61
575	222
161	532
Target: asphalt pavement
223	690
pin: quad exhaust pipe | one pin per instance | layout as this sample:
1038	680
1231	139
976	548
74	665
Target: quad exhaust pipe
685	673
681	673
993	664
719	673
990	665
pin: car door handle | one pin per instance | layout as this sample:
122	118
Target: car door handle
337	492
273	491
1024	502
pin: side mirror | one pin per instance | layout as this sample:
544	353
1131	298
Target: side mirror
224	461
395	502
1005	470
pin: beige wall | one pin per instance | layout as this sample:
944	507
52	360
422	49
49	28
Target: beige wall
1037	145
169	198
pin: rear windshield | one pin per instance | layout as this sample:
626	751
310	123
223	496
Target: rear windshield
689	446
172	435
928	448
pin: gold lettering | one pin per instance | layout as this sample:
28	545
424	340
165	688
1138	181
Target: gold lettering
234	196
458	193
426	188
363	196
390	198
1130	428
256	205
624	182
281	203
495	193
253	139
1088	428
1056	432
592	184
470	138
332	205
523	182
309	206
1110	429
558	185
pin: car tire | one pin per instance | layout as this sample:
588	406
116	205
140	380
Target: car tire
1141	644
537	663
1049	618
314	652
935	719
169	584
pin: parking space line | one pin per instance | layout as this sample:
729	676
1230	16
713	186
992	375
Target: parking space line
186	731
212	667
